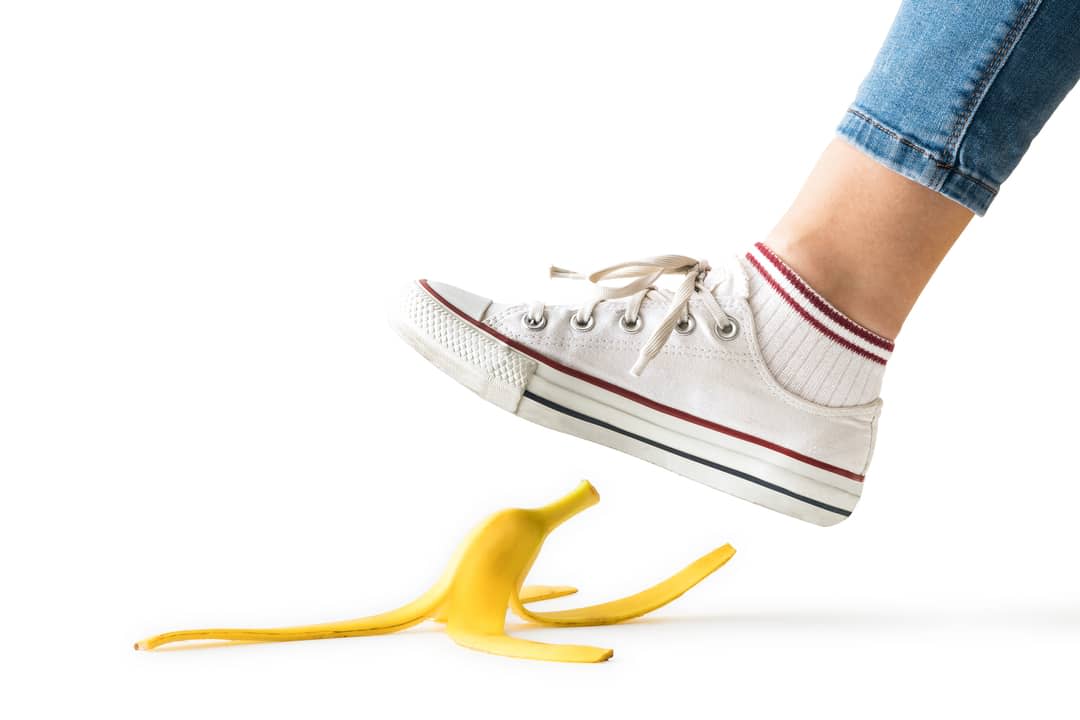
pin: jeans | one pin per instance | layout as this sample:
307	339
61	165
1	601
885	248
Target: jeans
961	88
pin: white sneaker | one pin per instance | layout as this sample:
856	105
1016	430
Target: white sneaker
675	378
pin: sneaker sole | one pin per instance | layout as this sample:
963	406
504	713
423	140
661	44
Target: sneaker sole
544	391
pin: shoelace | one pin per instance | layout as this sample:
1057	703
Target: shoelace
643	274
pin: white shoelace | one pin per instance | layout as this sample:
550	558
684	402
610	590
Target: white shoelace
643	274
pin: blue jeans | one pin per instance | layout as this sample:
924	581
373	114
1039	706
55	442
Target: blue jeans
961	88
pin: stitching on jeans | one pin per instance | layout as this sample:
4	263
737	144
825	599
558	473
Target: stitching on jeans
1007	44
892	134
937	163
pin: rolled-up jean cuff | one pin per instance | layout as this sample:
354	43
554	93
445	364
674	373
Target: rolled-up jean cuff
914	162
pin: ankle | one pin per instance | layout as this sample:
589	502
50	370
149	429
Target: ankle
867	238
842	278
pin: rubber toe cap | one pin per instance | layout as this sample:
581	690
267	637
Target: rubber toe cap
464	301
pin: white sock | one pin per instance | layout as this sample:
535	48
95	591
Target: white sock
812	349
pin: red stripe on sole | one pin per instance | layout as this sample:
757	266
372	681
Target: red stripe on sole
629	395
820	303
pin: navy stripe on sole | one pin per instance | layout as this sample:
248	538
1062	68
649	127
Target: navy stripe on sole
685	455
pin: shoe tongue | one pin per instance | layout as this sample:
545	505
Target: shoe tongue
728	279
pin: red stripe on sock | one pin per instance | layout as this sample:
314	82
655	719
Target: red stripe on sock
819	302
810	318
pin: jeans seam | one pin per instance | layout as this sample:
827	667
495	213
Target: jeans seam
1019	23
939	164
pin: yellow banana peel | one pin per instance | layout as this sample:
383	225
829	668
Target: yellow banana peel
484	579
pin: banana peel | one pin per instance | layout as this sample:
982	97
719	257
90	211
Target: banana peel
486	577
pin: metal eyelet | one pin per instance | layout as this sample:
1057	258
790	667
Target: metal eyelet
582	326
685	327
631	327
532	323
727	332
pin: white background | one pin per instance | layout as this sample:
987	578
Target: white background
204	418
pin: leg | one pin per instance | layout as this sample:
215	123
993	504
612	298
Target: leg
957	94
761	378
867	238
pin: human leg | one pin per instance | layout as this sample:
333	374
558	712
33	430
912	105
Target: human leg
954	99
760	376
867	238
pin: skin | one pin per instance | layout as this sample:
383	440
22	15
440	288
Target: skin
867	238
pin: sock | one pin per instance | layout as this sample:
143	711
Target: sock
812	349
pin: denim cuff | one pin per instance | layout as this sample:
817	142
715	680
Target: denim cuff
903	156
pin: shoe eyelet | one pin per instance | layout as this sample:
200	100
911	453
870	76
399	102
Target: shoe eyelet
686	327
586	326
727	332
531	323
631	327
